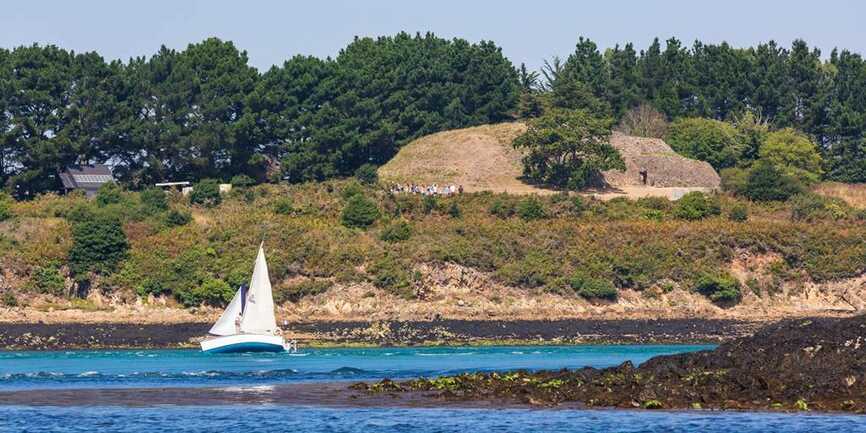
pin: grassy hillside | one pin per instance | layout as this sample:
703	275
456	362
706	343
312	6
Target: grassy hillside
578	248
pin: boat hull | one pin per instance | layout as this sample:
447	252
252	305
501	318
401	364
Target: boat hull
244	343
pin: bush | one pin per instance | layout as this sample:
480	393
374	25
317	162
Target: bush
5	208
530	208
722	288
429	204
8	299
109	193
734	180
367	175
765	183
206	193
176	218
592	288
454	210
359	212
284	206
577	205
396	232
708	140
153	200
298	291
394	276
242	181
695	206
351	189
739	213
98	245
502	208
212	291
813	207
48	280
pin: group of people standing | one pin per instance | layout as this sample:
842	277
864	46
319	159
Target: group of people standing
433	189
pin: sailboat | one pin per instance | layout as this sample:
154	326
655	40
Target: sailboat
248	323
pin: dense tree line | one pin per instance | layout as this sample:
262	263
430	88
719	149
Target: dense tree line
783	87
204	112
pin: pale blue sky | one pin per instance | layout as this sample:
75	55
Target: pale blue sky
528	31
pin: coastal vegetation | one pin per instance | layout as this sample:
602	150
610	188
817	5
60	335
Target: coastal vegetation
322	236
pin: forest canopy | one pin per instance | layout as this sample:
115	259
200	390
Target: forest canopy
204	112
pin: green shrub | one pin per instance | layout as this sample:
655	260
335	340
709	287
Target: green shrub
242	181
206	193
533	270
794	154
396	232
176	218
654	203
109	193
530	208
394	276
577	205
502	208
765	183
351	189
592	288
739	213
721	288
428	204
98	245
284	206
8	299
298	291
454	210
708	140
153	200
151	287
695	206
212	291
48	280
813	207
367	175
5	208
359	212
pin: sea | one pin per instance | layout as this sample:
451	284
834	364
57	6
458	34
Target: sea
131	377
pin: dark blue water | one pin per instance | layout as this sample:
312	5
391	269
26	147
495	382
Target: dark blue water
20	371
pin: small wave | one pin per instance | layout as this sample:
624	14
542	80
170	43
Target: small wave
348	371
446	354
89	374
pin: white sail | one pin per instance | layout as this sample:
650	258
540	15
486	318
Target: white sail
226	323
258	316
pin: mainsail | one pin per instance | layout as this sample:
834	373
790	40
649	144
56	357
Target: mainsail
226	323
258	315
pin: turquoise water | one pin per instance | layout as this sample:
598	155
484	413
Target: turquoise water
28	371
149	368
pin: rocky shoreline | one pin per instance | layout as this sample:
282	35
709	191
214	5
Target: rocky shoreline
794	365
58	336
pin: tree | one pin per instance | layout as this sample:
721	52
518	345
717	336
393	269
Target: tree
707	140
367	175
568	148
98	245
644	121
793	154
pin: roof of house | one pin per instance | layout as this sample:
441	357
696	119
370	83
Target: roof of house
86	176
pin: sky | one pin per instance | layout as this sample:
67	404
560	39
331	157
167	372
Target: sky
528	31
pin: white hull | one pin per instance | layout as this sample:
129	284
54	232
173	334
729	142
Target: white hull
244	343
